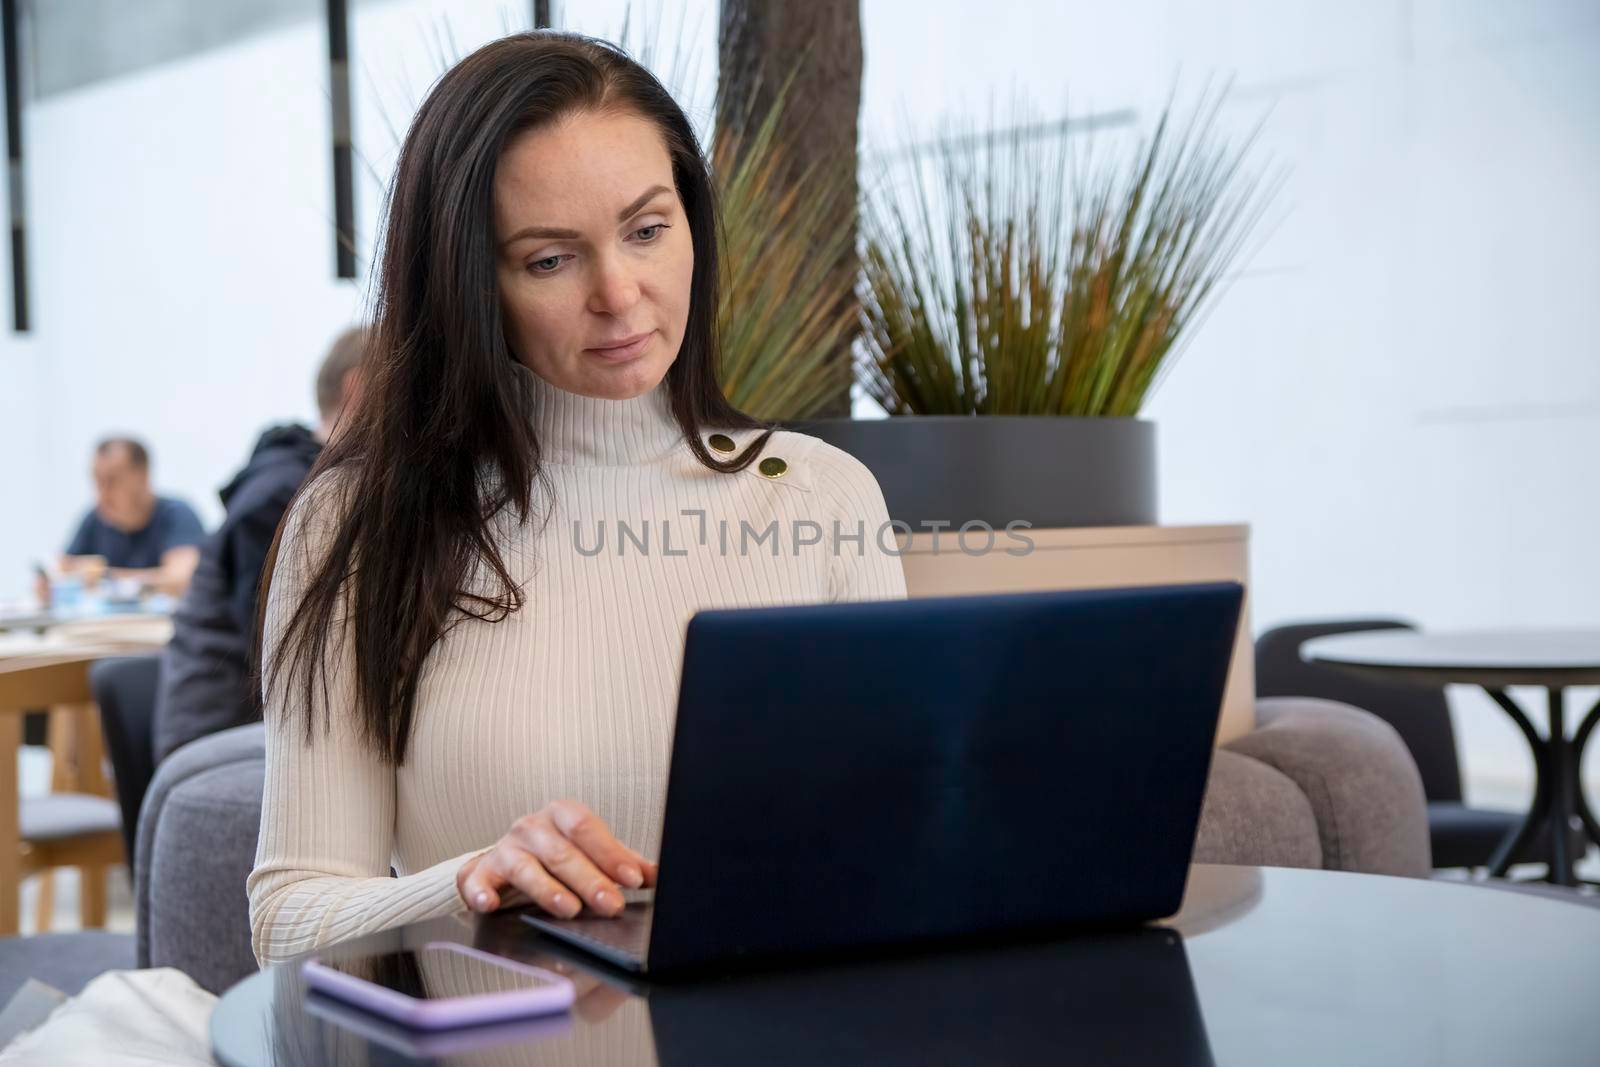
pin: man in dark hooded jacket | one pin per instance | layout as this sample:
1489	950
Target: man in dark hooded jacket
205	672
204	675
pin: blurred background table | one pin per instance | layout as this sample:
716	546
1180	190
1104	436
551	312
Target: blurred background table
1554	660
116	633
30	618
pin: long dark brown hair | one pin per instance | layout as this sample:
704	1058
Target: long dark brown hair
441	444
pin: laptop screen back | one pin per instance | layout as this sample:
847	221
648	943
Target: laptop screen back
852	775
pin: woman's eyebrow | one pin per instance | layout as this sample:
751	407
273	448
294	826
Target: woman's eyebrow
552	233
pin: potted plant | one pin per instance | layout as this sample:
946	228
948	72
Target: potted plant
785	328
1018	308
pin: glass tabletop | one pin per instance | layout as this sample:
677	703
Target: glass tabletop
1541	654
1261	966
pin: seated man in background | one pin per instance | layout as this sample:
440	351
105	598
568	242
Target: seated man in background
205	685
152	539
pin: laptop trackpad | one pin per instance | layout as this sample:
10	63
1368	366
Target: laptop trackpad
628	934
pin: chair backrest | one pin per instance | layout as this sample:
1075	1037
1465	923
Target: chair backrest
1420	716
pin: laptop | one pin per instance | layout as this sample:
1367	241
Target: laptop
850	777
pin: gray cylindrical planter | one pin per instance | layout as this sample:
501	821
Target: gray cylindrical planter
1044	470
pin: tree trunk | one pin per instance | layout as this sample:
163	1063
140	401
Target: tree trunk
761	42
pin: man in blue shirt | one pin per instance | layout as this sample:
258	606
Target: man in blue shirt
140	535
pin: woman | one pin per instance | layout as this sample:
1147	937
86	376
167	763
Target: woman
475	612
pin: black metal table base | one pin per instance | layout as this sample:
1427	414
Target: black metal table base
1558	799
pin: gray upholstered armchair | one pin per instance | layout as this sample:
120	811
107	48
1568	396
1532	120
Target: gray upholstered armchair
196	845
1316	784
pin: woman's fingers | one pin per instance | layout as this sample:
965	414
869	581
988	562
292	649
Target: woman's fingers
567	861
531	877
561	858
477	885
586	830
510	865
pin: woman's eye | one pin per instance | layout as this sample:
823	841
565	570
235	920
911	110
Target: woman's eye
551	264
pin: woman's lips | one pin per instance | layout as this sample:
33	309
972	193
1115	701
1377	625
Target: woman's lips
625	352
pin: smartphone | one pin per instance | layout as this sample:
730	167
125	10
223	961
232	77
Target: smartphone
441	985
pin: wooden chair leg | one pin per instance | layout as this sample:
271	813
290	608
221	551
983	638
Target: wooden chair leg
89	753
62	732
44	911
10	839
92	897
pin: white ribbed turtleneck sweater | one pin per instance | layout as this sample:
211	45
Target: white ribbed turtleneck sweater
574	696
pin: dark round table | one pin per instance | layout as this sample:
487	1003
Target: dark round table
1554	660
1262	966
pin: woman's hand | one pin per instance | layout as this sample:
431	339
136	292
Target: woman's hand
561	858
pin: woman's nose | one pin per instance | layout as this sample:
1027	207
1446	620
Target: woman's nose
615	289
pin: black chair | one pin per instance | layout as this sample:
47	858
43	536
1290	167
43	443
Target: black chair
1461	836
124	688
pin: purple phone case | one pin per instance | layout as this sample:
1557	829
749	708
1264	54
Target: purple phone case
450	1011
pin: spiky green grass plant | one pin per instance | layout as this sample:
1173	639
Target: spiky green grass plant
1040	281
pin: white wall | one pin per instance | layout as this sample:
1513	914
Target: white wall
1401	395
